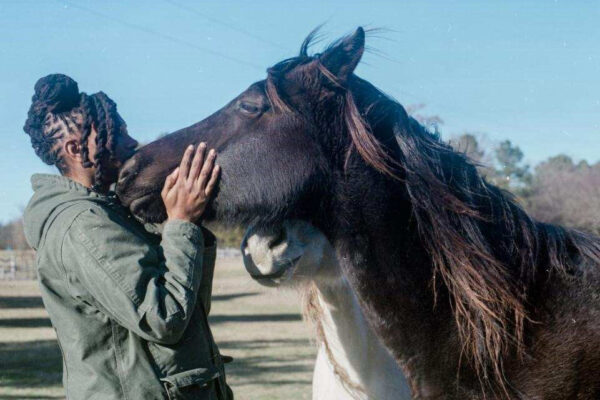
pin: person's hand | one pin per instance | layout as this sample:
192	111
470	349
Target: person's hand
189	187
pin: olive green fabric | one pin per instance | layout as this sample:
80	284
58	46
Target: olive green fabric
129	306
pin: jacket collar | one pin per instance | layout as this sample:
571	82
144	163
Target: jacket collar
59	181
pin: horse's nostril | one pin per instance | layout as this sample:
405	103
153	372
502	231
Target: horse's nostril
127	171
277	240
124	176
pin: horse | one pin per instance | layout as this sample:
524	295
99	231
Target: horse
351	364
473	298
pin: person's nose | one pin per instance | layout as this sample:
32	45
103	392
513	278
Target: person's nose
134	144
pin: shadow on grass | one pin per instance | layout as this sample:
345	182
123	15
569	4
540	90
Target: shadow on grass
268	363
25	396
25	323
270	368
21	302
30	364
39	364
257	344
219	319
36	301
225	297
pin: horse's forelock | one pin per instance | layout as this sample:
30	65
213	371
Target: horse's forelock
363	139
277	103
275	75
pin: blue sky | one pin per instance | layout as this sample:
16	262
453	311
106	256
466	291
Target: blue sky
528	71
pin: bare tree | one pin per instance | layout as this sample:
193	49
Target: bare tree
431	122
12	235
468	143
566	193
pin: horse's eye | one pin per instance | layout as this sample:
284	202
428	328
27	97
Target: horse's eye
250	108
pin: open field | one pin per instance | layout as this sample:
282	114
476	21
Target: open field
261	328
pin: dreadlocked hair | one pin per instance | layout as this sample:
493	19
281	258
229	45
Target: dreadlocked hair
58	110
108	125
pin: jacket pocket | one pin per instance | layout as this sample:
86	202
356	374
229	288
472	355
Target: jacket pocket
194	384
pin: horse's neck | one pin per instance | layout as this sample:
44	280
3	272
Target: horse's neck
391	273
354	353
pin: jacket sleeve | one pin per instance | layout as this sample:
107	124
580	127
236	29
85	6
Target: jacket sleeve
129	281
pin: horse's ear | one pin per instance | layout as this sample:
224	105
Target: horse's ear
342	58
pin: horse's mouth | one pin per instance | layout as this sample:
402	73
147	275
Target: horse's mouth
139	205
139	201
283	273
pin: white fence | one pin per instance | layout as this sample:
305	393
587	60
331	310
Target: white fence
17	264
20	264
228	252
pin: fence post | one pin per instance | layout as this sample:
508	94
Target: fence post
13	266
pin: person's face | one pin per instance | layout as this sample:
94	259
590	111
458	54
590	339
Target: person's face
124	148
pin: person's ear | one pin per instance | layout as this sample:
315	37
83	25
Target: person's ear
72	150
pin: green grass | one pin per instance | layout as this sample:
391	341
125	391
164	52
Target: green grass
261	328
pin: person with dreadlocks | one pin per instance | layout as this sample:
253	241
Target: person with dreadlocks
129	304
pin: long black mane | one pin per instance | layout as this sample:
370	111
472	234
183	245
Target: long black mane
486	251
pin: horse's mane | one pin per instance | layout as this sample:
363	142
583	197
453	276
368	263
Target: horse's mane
484	247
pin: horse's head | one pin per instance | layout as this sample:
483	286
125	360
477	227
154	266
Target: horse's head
290	254
280	142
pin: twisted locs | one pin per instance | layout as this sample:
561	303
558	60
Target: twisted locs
108	124
58	109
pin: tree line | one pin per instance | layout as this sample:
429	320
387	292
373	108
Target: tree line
557	190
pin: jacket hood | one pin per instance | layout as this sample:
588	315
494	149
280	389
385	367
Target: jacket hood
50	192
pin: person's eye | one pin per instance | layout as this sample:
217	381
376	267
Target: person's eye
250	108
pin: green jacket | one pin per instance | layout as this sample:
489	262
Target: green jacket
129	306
